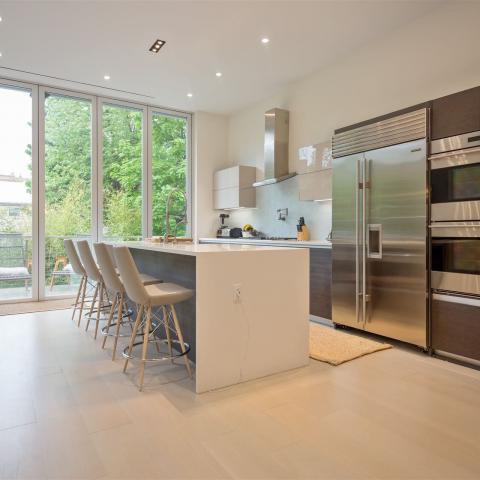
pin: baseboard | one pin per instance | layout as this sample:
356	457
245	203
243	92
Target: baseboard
323	321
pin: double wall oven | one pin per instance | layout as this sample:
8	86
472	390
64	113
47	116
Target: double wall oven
455	214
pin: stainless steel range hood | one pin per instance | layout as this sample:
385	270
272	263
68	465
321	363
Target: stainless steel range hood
276	147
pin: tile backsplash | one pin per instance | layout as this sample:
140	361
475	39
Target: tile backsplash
318	215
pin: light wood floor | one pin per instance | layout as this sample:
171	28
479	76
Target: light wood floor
67	411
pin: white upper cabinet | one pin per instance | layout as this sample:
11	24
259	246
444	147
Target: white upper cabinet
232	187
314	168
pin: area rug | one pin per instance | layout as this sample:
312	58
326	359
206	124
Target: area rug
31	307
335	347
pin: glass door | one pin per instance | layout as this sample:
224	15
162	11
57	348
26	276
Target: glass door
122	149
17	191
66	153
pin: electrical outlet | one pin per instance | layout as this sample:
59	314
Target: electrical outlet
237	292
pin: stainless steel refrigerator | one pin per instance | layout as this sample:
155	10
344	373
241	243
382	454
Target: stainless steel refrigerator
379	228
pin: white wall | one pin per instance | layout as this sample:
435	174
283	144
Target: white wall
210	154
435	55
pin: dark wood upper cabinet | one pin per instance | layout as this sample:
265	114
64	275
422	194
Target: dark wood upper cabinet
456	114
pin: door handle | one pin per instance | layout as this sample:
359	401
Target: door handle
358	191
366	185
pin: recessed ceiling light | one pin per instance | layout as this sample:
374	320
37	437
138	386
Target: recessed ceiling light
265	40
157	45
106	77
1	19
218	74
189	95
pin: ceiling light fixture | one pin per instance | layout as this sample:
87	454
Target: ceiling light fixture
1	19
218	74
106	77
265	40
157	45
189	95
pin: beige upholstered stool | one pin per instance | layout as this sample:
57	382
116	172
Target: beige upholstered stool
161	295
78	268
115	286
94	274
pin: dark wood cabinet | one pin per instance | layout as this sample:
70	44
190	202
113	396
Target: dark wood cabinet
456	328
456	114
321	282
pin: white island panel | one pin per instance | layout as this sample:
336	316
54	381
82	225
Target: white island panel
267	331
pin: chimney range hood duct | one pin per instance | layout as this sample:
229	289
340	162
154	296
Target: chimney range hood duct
276	147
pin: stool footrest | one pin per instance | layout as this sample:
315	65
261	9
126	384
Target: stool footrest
163	357
111	333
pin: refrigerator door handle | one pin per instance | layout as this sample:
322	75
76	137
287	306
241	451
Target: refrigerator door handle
374	240
358	192
366	186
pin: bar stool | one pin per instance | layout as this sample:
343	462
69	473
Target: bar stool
109	247
79	270
95	276
164	295
114	285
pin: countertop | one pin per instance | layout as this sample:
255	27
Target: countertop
264	243
195	249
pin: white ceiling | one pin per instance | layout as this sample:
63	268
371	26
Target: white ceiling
84	40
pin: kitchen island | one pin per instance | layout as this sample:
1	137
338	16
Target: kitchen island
249	316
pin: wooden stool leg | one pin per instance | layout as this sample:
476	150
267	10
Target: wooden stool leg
84	292
145	347
92	305
134	334
109	321
180	338
119	322
100	307
76	300
167	331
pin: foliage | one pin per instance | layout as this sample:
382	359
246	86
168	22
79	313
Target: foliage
169	167
122	172
20	223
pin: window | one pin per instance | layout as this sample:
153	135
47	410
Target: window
74	165
169	172
122	154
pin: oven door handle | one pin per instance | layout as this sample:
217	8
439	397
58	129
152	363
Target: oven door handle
453	225
463	151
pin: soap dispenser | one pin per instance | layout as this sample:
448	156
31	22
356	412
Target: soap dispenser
302	231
